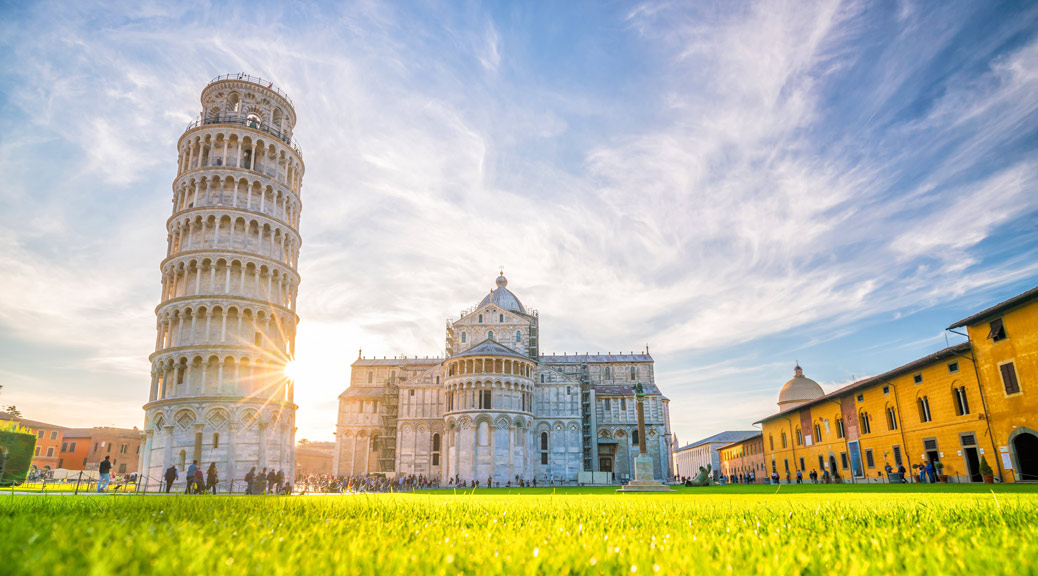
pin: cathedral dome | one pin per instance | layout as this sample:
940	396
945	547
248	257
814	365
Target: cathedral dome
503	297
799	390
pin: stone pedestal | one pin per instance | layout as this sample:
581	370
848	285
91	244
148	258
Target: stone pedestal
643	477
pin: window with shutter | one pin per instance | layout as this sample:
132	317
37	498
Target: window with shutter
998	330
1009	378
930	444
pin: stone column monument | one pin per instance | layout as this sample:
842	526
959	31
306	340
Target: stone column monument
644	481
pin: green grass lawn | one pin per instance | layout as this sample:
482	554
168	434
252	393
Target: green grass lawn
942	529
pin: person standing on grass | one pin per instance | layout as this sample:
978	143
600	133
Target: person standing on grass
931	472
271	479
211	478
249	479
105	469
171	477
800	476
279	480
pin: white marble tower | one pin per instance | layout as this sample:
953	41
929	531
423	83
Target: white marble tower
226	318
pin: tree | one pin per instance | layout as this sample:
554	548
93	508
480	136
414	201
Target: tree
13	411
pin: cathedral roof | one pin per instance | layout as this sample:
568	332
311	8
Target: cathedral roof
363	392
726	437
624	389
503	297
593	358
491	348
397	362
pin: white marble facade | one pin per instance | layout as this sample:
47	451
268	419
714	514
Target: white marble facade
226	320
496	409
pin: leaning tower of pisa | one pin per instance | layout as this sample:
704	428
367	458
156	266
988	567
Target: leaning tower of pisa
226	320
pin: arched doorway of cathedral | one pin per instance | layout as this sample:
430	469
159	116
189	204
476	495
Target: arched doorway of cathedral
1024	442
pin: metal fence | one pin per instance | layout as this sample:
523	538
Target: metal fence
255	80
247	121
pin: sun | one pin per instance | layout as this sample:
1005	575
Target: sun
293	370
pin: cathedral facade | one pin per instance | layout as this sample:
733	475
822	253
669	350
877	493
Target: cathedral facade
493	407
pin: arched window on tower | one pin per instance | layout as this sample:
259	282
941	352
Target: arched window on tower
462	337
480	318
518	336
490	335
371	377
500	318
436	450
634	438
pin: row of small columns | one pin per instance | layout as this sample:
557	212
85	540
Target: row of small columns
263	381
489	366
283	336
182	239
291	172
173	282
283	209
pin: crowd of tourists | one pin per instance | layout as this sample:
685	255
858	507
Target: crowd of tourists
748	478
370	483
197	482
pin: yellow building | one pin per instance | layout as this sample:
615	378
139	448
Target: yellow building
968	402
1004	340
927	410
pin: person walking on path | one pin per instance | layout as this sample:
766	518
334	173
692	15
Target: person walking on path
211	478
279	480
171	477
931	472
800	476
192	470
105	469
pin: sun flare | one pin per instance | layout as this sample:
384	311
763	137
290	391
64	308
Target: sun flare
293	370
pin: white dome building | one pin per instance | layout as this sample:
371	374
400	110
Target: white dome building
799	390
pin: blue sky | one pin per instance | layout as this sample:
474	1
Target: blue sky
737	185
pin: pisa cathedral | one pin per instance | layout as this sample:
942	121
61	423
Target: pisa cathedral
495	407
226	320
